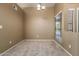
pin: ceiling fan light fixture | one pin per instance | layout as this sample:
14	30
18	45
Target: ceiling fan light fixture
38	7
43	7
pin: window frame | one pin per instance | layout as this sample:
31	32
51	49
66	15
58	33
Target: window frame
72	21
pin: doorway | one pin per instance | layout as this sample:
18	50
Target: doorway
58	27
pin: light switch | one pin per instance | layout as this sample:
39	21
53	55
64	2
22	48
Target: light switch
1	26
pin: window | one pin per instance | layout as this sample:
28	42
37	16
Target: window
70	18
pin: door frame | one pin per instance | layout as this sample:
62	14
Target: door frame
60	24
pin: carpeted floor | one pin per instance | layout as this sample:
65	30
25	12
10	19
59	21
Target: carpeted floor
32	47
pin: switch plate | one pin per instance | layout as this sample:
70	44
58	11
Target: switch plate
70	46
1	26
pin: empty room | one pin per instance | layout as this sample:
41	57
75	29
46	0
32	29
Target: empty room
39	29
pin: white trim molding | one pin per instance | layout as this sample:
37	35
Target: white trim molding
63	48
77	18
58	13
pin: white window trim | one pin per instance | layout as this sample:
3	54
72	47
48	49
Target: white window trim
58	13
77	18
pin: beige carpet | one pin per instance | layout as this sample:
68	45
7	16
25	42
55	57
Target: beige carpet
33	47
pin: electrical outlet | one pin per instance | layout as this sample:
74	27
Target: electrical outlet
70	46
1	26
10	42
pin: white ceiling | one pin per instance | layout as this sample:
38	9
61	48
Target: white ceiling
23	5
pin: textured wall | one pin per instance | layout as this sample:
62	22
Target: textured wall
39	24
12	22
68	38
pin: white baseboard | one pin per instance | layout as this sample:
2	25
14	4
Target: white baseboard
63	48
10	48
39	39
7	50
42	40
23	40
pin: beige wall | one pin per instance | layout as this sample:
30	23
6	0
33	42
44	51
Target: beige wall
39	24
12	22
68	38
